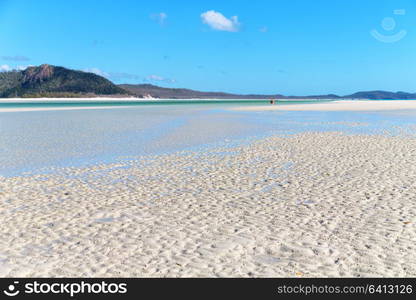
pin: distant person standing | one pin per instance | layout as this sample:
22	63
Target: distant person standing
272	101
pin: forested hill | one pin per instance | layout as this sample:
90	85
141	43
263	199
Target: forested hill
52	81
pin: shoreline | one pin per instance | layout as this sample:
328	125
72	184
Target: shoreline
75	100
107	99
33	109
322	105
342	105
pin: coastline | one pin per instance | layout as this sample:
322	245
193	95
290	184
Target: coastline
107	99
282	105
342	105
80	100
55	104
33	109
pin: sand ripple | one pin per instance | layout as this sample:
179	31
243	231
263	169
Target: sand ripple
314	204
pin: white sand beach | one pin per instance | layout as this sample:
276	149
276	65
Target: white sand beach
311	204
80	100
207	139
344	105
57	108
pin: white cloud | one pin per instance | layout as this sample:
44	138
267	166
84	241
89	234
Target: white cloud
159	17
22	68
96	71
5	68
217	21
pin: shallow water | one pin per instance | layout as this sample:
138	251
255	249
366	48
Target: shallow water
122	103
39	141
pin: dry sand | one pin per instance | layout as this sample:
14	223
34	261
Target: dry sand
314	204
345	105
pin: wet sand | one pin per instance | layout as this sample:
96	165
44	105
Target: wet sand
28	109
344	105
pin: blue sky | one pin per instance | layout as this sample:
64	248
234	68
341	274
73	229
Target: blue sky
293	47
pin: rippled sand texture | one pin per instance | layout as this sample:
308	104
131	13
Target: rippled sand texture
314	204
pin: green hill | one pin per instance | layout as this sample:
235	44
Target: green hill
52	81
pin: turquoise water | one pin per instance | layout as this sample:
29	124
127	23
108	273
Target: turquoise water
42	141
83	103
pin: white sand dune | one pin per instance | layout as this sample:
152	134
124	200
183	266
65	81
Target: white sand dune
314	204
346	105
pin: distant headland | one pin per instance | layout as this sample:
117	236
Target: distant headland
48	81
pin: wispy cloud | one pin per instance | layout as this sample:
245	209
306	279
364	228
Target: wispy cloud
264	29
118	76
21	68
123	75
7	68
218	21
159	79
97	72
159	17
15	58
115	76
